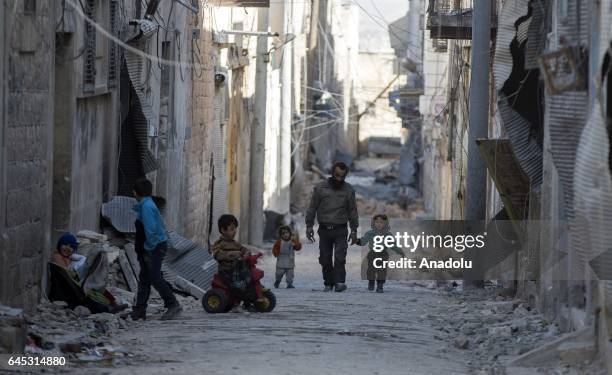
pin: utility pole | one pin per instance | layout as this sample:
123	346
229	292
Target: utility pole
476	180
258	134
286	113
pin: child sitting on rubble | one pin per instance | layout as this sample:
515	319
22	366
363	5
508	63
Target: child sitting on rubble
65	255
229	252
80	282
377	276
284	250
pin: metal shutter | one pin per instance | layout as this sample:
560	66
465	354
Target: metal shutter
89	55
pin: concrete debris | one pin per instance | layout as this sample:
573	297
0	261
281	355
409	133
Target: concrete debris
54	329
92	236
82	311
388	172
189	287
461	342
12	330
505	335
575	352
371	206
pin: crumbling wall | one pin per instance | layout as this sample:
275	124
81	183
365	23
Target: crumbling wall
198	148
25	154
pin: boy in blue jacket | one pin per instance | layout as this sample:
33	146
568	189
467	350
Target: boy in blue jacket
151	246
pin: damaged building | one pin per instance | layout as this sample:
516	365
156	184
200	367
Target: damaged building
547	150
101	93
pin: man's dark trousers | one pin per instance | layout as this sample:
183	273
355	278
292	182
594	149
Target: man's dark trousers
333	244
151	275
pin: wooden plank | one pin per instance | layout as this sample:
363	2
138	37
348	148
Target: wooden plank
128	273
510	180
130	252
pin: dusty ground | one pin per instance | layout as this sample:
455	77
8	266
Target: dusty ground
309	332
413	328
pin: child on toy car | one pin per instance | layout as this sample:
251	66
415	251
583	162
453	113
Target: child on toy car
226	250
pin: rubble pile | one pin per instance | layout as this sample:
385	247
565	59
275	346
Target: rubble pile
55	329
12	330
493	329
387	172
372	206
90	241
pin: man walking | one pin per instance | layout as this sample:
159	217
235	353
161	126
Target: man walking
333	204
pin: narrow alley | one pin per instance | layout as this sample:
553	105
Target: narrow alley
308	332
425	184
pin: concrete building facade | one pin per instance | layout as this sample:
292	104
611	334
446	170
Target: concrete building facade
26	145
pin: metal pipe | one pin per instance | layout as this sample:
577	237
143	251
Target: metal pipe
476	179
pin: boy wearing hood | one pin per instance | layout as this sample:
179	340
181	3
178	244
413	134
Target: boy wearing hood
377	276
284	251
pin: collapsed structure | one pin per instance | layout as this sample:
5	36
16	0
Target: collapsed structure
547	150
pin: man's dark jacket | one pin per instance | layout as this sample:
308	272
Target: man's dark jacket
333	206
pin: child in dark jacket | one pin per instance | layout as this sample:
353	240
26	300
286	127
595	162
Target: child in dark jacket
284	250
377	276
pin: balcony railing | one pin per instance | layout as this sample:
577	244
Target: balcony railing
453	21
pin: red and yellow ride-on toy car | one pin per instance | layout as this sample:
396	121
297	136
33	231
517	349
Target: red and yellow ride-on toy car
243	285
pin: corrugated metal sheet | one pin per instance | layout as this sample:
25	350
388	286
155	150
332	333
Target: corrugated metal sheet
593	196
538	29
566	119
219	201
119	213
567	111
519	130
592	178
573	23
526	148
142	124
510	12
188	260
